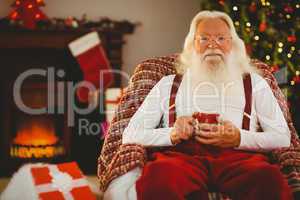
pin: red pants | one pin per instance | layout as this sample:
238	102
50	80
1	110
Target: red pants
190	170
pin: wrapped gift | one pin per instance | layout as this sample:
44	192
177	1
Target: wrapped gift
49	182
112	99
61	181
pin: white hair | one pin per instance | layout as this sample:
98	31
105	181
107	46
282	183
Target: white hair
238	46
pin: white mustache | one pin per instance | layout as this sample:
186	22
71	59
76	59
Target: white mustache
213	53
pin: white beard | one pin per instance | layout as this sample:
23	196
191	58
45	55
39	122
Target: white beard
214	68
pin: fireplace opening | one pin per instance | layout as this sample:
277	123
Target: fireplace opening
36	137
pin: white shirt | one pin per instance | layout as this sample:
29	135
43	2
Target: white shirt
142	126
265	109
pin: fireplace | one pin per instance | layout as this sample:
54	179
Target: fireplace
46	136
28	136
42	136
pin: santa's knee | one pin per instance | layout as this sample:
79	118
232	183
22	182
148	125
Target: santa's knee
158	179
269	175
269	182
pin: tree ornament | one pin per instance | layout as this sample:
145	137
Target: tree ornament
249	49
262	26
274	68
288	9
252	7
296	79
292	38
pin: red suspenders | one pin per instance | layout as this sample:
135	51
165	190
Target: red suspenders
248	103
174	89
248	99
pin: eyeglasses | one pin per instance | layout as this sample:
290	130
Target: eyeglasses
220	40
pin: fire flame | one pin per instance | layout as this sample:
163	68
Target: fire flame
36	135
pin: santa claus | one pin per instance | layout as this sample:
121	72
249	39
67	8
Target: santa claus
226	154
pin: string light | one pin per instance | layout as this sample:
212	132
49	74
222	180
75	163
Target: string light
37	16
256	37
297	73
268	3
248	24
293	48
280	44
268	57
29	6
288	16
297	6
237	23
292	82
14	15
18	3
235	8
279	50
289	55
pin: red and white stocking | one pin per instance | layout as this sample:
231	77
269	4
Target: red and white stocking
93	62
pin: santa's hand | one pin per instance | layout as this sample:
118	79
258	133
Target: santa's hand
183	129
224	135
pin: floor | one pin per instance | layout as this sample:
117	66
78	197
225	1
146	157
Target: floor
3	183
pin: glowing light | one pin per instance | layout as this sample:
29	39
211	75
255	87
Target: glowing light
292	82
29	6
279	50
288	16
37	16
235	8
248	24
280	44
14	15
36	135
289	55
237	23
26	152
297	73
268	57
256	37
293	48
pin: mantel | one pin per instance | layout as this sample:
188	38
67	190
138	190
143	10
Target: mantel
57	39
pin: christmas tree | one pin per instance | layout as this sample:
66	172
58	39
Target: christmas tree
28	12
270	30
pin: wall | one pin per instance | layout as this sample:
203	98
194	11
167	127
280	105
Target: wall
164	22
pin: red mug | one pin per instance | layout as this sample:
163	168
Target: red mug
210	118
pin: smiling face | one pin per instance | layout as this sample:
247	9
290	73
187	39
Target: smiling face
213	40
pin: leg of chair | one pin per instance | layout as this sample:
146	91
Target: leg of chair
173	176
